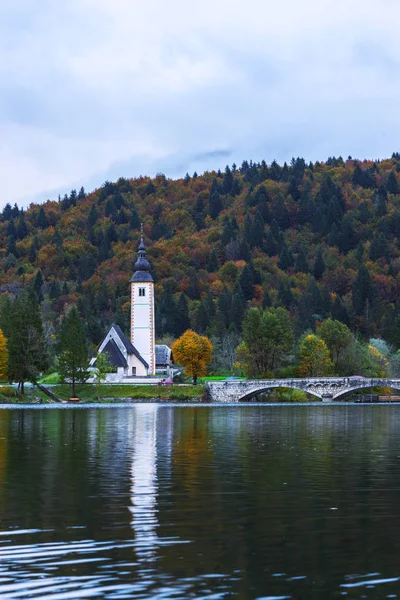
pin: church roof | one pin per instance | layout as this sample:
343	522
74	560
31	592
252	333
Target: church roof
115	356
163	354
129	347
142	276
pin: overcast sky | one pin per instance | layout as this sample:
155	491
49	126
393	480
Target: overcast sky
96	89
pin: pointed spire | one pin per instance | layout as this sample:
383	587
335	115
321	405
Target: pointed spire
141	245
142	265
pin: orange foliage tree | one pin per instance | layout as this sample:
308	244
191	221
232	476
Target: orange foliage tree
3	357
193	352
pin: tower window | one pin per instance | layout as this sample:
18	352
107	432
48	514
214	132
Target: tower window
142	292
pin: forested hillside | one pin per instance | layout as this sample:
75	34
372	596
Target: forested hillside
319	239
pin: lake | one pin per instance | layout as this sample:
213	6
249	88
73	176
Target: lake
219	502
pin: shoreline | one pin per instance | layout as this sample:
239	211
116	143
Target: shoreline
194	402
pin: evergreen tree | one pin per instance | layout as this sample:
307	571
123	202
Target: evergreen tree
266	303
228	232
7	212
92	217
213	264
73	357
38	286
248	230
57	240
363	292
15	211
72	198
22	229
334	236
379	247
201	321
215	205
238	308
381	207
41	220
257	230
348	238
193	288
12	247
11	229
338	311
168	312
227	182
224	307
285	294
27	350
270	245
54	290
209	306
301	264
246	282
244	250
236	188
182	309
286	258
319	264
392	185
134	221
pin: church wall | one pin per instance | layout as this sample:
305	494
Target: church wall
142	321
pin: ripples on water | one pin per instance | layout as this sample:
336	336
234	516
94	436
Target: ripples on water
149	501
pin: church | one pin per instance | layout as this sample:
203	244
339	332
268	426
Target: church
138	356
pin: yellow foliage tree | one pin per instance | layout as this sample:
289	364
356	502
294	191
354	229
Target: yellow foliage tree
3	356
193	352
314	359
381	362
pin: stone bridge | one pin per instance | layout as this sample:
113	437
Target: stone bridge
324	388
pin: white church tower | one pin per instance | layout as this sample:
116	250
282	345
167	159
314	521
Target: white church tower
142	309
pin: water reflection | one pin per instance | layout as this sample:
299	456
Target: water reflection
144	482
245	502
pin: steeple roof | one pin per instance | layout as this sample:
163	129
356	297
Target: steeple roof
142	265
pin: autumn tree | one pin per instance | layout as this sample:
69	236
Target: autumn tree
193	352
3	357
314	359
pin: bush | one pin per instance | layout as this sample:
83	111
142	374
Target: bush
8	392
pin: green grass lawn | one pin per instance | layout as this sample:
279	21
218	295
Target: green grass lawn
219	378
51	378
88	392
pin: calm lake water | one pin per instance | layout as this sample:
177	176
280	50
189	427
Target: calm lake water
154	501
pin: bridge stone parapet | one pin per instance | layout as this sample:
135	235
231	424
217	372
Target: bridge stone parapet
324	388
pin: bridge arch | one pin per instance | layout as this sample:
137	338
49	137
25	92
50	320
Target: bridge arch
343	394
255	392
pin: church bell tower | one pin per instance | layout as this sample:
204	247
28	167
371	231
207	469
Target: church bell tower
142	308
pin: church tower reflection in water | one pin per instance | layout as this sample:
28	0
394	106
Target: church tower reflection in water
144	488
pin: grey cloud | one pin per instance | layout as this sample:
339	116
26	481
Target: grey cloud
96	89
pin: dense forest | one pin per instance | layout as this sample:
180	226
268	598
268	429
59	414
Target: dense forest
319	239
